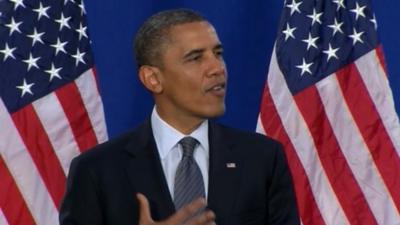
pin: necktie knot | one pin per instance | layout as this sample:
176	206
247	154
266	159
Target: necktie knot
188	145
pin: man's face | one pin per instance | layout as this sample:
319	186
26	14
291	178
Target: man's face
193	74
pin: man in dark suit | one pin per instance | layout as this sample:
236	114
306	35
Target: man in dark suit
178	167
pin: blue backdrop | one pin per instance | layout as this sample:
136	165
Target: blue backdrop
247	30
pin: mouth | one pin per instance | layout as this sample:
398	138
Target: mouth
217	89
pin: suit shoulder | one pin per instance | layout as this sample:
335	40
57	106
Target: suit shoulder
239	135
106	150
251	146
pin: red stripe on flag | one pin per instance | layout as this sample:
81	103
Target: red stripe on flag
272	124
381	58
11	200
371	127
41	151
332	159
75	110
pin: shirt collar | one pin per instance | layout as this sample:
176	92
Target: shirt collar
167	137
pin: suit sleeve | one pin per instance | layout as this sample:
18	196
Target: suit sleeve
282	203
81	204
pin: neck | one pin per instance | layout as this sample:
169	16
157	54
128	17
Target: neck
184	124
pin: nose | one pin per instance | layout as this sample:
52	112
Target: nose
216	66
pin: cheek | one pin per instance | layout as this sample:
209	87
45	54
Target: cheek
186	84
190	84
186	92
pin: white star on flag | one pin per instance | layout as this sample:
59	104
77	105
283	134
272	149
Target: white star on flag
340	4
82	31
373	20
42	11
59	46
66	1
316	17
294	7
331	52
356	36
25	88
36	37
14	26
79	57
8	52
82	6
31	61
18	3
359	11
336	27
54	72
63	21
289	31
305	67
311	41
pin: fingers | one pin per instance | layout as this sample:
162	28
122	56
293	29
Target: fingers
205	218
188	211
144	210
191	214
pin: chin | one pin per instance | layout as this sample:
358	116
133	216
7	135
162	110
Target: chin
215	112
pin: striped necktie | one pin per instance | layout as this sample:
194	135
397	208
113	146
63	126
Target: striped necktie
189	184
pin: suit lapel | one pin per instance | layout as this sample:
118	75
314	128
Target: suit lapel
224	171
145	172
146	175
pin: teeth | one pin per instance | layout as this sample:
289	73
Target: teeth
216	88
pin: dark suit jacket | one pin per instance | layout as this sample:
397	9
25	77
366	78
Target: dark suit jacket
102	182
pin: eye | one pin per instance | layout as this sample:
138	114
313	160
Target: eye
219	52
195	58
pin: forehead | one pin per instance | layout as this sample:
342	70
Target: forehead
193	35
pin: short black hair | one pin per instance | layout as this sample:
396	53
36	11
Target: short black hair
153	34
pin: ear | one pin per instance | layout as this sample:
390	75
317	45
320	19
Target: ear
150	78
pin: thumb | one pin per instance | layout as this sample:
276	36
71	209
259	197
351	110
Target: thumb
144	210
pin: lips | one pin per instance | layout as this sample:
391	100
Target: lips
217	89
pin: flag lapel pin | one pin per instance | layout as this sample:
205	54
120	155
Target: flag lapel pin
231	165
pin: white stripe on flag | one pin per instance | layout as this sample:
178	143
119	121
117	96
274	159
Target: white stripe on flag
3	220
56	125
300	136
24	172
378	88
355	150
260	127
87	87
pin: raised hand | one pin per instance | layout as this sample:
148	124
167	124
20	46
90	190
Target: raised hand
187	215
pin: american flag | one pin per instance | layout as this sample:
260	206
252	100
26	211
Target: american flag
328	100
50	107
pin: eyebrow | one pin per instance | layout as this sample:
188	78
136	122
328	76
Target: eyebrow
193	52
201	50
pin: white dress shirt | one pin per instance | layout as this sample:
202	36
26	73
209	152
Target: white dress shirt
170	151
